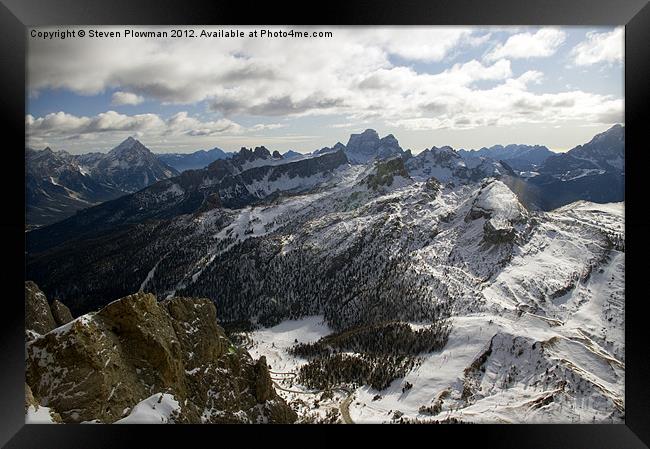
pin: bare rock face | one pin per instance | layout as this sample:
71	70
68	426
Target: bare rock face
38	316
99	366
60	312
367	146
29	398
263	385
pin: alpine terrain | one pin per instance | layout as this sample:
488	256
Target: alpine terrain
58	184
192	161
359	283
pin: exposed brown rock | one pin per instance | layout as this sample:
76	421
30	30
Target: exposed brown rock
60	312
38	316
102	364
263	384
29	398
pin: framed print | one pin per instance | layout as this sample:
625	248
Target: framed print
397	214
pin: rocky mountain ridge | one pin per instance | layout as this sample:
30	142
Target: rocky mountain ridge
594	171
425	285
58	184
519	157
249	177
130	166
136	354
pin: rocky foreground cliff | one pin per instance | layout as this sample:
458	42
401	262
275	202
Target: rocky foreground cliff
140	360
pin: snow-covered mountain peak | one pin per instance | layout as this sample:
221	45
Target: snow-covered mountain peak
337	147
603	148
501	211
499	202
129	148
616	132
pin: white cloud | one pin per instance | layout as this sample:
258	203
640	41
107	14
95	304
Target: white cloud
182	123
542	43
61	124
342	125
421	44
261	77
511	103
268	126
600	47
125	98
360	75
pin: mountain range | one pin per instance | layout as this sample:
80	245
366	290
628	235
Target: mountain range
192	161
203	158
594	171
257	177
58	184
519	157
433	287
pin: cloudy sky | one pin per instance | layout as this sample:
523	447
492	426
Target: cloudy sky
464	87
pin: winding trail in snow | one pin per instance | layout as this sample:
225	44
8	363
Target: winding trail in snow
344	406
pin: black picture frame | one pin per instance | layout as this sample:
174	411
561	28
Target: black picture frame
16	15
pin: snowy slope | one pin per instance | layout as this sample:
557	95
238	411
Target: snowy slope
156	409
536	298
538	341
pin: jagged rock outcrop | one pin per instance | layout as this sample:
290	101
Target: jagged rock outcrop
493	233
99	366
367	146
60	312
264	385
38	316
432	185
29	398
41	317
